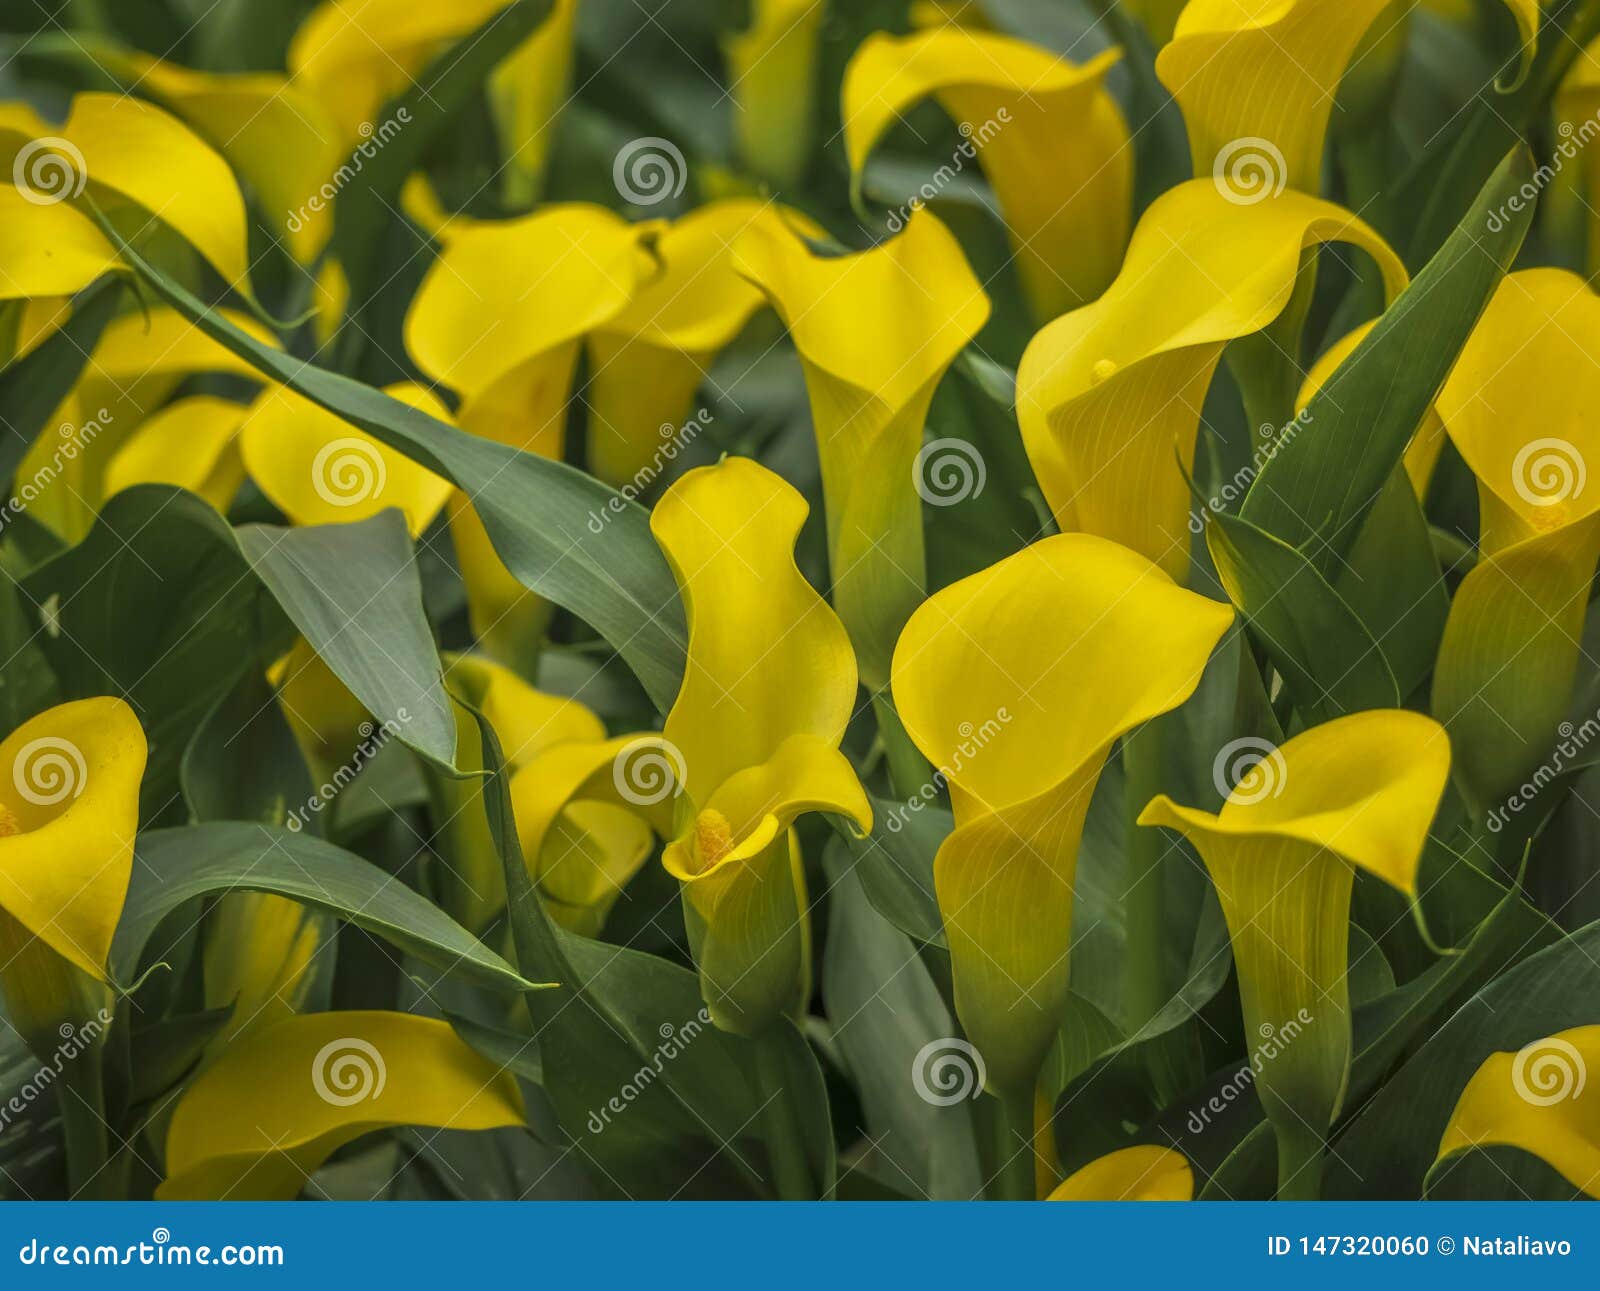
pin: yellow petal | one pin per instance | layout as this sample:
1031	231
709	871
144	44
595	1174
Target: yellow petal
526	94
258	958
51	249
767	658
319	469
1047	134
1256	81
1541	1099
772	67
191	443
258	1122
1358	792
989	681
70	793
526	721
1109	397
1144	1173
876	332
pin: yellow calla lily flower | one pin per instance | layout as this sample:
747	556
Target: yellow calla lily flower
51	251
526	94
191	443
1013	646
319	469
69	809
135	150
1257	79
648	360
1144	1173
259	1121
1518	406
1540	1099
499	318
1356	793
1048	135
1109	393
752	740
876	332
772	71
258	958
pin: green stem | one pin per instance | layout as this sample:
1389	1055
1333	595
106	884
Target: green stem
1143	986
1009	1121
81	1094
909	771
1299	1167
786	1149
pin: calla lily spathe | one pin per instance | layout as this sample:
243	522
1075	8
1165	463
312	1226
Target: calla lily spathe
1356	793
1542	1099
1519	408
1144	1173
754	734
876	332
772	70
258	1122
1048	135
1109	394
1068	645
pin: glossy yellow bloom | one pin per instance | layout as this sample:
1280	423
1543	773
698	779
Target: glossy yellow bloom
752	740
258	957
132	150
876	332
1048	135
1144	1173
1356	793
69	808
51	251
1257	80
1519	408
581	843
1542	1099
1109	397
258	1122
191	443
139	361
499	319
1015	683
648	360
772	69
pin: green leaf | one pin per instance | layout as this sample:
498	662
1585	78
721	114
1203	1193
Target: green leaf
562	533
895	865
174	866
1332	463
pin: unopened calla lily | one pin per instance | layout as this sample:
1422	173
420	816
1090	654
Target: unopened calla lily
1356	793
1049	137
1109	397
773	67
1014	644
876	332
